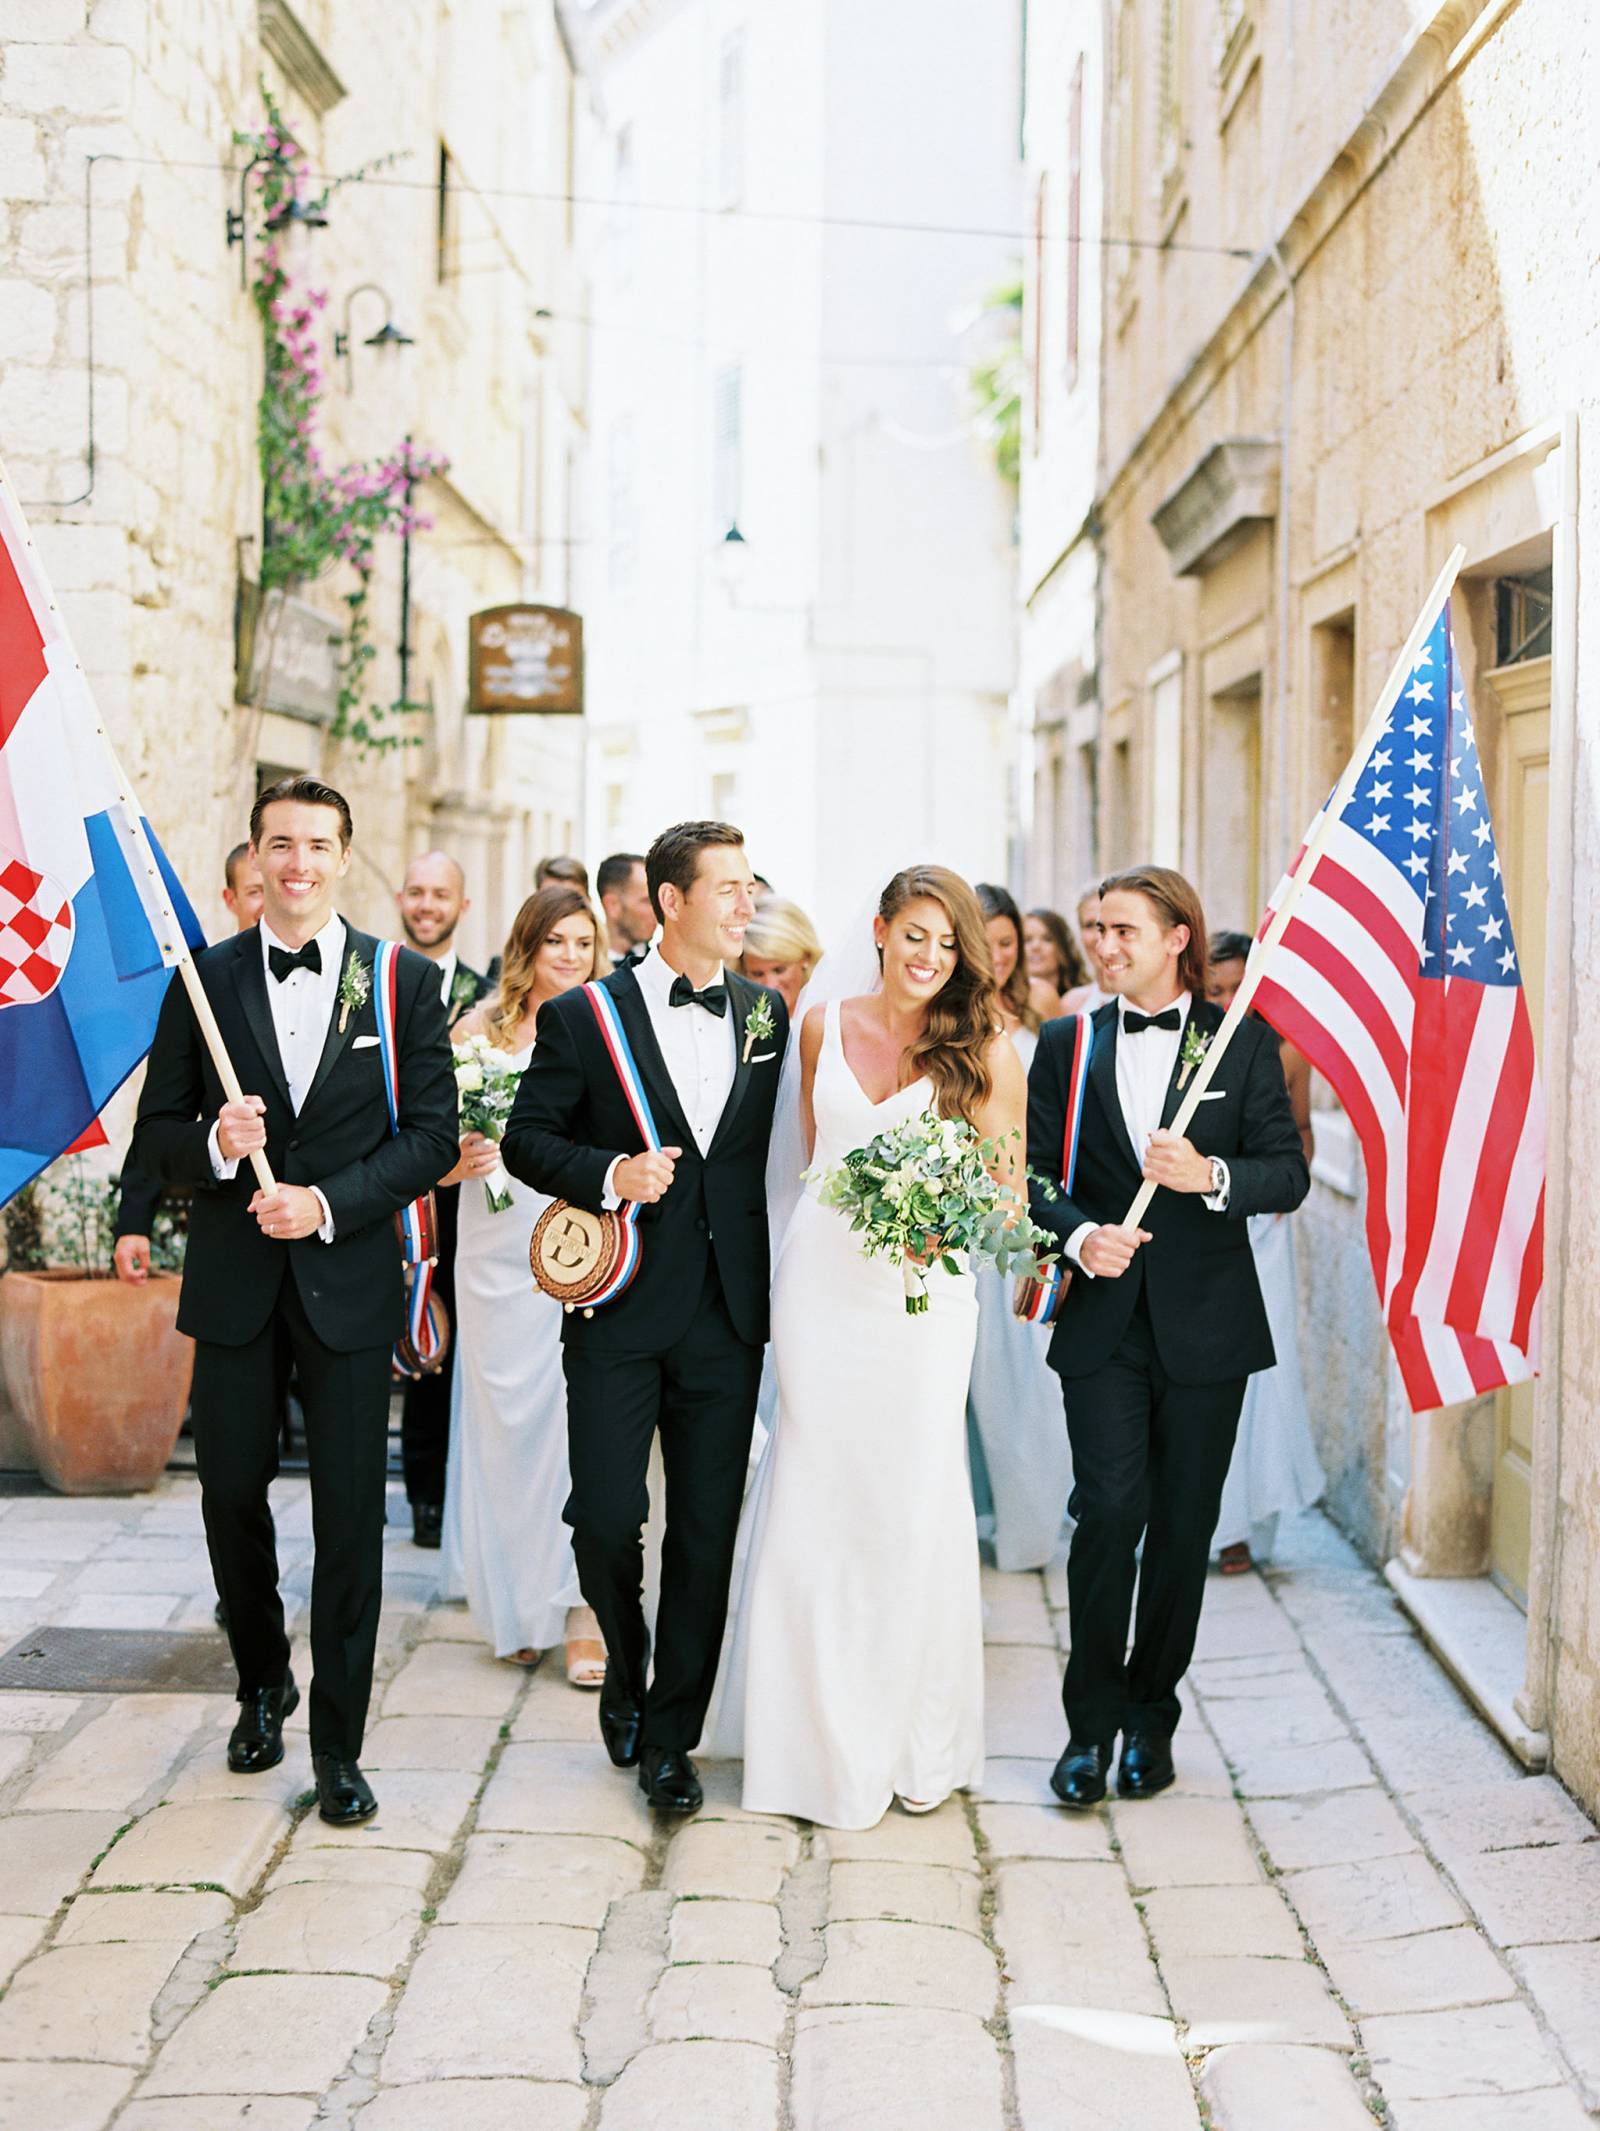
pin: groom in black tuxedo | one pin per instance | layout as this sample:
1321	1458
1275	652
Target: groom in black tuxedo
679	1350
308	1274
1162	1326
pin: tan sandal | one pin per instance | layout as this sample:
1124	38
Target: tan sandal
527	1658
1235	1560
586	1661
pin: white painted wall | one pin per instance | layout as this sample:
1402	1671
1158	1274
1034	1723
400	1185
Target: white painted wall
868	650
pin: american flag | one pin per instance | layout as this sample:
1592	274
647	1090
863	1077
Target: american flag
1397	976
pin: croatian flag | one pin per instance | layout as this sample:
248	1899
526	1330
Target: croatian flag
87	939
1398	978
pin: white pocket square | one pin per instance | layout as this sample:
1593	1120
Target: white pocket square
1214	1095
763	1057
363	1043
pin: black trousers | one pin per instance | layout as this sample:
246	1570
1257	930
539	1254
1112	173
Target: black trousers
1149	1458
701	1395
425	1408
237	1401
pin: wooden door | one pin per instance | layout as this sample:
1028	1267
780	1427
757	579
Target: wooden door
1524	844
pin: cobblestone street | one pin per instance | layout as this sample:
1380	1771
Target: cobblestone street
1354	1907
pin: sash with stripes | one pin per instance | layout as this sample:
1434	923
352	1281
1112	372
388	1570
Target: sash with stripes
1037	1301
615	1038
421	1349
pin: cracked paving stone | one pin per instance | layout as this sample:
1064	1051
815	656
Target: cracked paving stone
911	1965
1278	2087
1564	1984
346	1866
1078	2068
66	2097
1534	1897
418	1809
329	1930
1072	1937
1016	1831
1237	1998
542	1879
1345	1828
119	1755
1485	2049
88	2003
730	2085
429	1742
1383	1898
477	2105
222	1844
562	1789
744	1860
718	2002
744	1932
268	2035
907	1894
143	1919
19	1935
491	2001
888	2068
1549	2109
1196	1921
45	1855
631	1956
450	1679
1185	1842
1428	1973
219	2112
941	1838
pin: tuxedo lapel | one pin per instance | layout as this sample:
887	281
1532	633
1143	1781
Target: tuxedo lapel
741	997
1103	1082
1207	1019
337	1039
634	1015
250	982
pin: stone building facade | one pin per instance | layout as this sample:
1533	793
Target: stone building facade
131	358
1358	326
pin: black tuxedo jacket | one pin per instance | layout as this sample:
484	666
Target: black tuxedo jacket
340	1141
1198	1275
571	1121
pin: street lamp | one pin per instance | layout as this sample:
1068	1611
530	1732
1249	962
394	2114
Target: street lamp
733	556
292	215
388	334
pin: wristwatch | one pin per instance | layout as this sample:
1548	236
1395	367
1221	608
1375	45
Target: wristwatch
1219	1178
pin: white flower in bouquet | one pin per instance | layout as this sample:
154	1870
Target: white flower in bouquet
486	1088
925	1193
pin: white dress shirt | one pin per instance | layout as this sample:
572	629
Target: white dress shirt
700	1052
1145	1065
302	1006
447	977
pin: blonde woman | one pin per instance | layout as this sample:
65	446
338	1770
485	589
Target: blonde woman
506	1549
781	948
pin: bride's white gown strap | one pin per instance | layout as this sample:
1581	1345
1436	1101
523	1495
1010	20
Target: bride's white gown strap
857	1659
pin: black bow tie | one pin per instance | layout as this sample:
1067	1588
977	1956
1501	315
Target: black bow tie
280	961
1135	1024
714	998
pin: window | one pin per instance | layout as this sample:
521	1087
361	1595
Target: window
1333	694
725	795
1522	610
1074	216
624	207
730	121
447	226
1124	145
1165	682
622	509
727	450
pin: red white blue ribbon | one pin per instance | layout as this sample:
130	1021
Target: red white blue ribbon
1046	1297
417	1243
615	1038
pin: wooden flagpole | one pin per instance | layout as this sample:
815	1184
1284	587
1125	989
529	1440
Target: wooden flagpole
1264	948
174	948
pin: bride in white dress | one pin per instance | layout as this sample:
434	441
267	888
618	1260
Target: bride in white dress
855	1671
506	1549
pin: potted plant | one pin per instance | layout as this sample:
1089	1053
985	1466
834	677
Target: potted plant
96	1373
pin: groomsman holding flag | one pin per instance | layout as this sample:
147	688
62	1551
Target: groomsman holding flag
1160	1327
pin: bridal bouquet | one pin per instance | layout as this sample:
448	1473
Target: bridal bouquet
923	1193
486	1087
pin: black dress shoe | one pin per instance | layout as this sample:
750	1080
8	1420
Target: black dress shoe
1079	1777
668	1780
621	1719
1146	1766
344	1796
256	1741
427	1523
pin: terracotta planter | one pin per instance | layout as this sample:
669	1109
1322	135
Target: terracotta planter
97	1376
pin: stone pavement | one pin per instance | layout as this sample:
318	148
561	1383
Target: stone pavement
1353	1909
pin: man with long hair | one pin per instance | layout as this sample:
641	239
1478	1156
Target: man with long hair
1161	1326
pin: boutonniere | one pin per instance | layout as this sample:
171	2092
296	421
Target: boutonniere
1196	1043
759	1027
463	993
355	988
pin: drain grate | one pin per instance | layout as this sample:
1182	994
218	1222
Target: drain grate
118	1661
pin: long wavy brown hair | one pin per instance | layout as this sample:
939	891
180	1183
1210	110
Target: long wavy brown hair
953	1048
531	927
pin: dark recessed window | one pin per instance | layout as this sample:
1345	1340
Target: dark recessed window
1522	609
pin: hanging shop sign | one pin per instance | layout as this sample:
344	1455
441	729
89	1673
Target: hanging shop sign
526	659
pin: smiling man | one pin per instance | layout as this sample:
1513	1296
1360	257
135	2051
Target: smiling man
679	1351
307	1273
1161	1326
